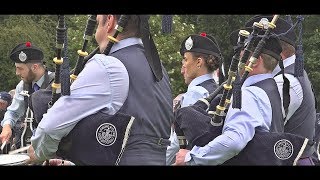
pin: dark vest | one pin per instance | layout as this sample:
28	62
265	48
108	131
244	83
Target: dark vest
274	147
210	85
150	112
153	112
303	121
270	87
266	148
48	79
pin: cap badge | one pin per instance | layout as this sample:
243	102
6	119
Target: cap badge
189	43
22	56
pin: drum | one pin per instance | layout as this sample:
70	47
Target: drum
13	159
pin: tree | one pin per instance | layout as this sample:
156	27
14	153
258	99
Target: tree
19	29
41	30
311	56
76	28
168	46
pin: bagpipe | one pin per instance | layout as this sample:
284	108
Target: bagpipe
83	55
31	117
110	131
119	123
106	136
202	122
44	99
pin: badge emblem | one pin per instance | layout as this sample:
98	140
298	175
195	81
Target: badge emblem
106	134
22	56
283	149
189	43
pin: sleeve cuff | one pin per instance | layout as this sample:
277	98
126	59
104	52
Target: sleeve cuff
188	159
3	123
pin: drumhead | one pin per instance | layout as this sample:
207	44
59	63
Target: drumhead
13	159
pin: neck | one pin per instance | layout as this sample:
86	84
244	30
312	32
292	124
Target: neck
202	72
285	54
39	74
259	70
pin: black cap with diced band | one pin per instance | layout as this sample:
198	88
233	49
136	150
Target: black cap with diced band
272	48
25	53
201	44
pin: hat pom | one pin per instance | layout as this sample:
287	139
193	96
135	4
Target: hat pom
28	44
203	34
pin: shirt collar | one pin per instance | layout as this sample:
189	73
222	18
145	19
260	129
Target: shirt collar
256	78
125	43
199	80
39	82
286	62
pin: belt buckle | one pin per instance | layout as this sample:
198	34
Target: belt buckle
160	141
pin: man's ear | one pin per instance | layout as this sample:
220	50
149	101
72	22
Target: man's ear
200	61
259	60
34	67
110	23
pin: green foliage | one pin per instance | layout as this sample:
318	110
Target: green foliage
311	58
41	31
76	29
221	26
18	29
168	46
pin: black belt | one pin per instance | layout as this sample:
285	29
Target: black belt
155	140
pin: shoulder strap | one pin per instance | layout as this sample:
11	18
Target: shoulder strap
285	90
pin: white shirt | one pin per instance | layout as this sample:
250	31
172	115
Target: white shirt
295	90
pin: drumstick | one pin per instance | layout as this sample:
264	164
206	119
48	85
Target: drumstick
3	144
19	150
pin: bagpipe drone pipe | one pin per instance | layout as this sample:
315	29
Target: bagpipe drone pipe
202	122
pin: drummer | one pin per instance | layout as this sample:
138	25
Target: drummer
5	101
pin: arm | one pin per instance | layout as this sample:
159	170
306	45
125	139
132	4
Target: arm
17	108
59	162
14	112
89	94
193	95
238	130
173	148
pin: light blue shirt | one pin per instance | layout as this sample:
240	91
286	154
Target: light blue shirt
295	90
103	83
239	127
173	148
17	108
193	94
